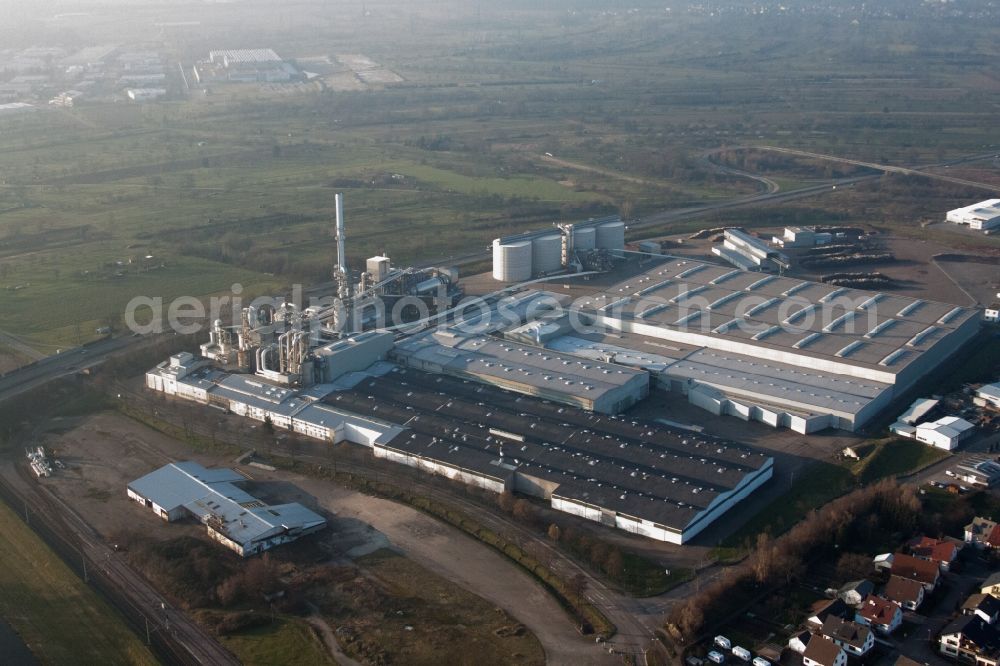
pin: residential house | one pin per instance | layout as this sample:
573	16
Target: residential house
798	642
821	651
982	533
882	615
854	638
821	610
924	572
985	606
971	639
883	562
854	593
941	551
907	593
991	585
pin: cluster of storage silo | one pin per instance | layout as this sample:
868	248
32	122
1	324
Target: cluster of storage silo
522	257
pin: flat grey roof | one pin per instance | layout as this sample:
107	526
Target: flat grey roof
517	363
644	470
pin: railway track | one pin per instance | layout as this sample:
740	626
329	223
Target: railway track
173	637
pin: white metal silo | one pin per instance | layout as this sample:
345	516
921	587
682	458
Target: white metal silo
584	238
611	236
512	261
546	254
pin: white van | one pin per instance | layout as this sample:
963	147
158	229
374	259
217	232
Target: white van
716	657
741	653
760	661
723	642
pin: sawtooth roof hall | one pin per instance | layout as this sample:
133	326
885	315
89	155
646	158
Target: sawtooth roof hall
814	349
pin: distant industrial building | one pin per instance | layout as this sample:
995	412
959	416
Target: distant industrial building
749	253
983	216
568	247
146	94
801	237
234	518
245	66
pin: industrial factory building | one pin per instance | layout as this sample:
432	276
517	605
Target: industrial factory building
568	247
233	517
750	253
245	66
983	216
296	410
591	385
636	476
787	352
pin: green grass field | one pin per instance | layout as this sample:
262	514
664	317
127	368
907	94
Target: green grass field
60	619
896	456
237	185
285	641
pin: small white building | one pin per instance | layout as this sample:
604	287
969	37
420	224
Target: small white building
992	313
982	216
945	433
989	395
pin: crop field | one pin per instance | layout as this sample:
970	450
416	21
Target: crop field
502	119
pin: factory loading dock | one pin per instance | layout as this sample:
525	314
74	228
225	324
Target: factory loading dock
644	478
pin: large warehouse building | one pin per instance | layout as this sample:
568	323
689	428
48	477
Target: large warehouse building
641	477
787	352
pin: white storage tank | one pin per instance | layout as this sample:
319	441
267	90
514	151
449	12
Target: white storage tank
546	254
611	236
512	261
584	238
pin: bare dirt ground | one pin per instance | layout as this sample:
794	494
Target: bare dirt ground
105	451
10	361
980	280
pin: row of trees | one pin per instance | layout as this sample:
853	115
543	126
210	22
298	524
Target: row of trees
855	521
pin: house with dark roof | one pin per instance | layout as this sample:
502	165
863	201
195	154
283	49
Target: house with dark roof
924	572
854	638
940	551
821	651
881	614
854	593
971	639
906	592
823	609
985	606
